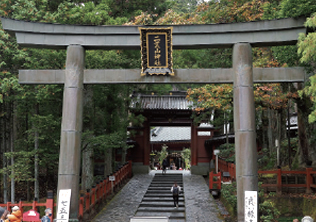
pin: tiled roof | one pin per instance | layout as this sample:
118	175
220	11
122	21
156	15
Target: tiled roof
178	102
170	133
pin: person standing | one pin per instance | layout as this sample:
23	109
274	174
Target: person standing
48	213
164	165
175	189
16	215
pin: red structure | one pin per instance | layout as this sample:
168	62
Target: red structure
31	215
224	166
88	200
169	110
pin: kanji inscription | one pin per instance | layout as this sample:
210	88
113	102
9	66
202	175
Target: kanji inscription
251	206
156	49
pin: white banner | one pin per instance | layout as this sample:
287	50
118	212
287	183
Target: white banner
63	205
251	206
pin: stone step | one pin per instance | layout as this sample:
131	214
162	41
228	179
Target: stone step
177	220
167	177
171	215
153	194
160	204
159	198
160	188
166	191
173	179
163	183
161	209
171	182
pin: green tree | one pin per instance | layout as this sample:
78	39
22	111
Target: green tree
296	8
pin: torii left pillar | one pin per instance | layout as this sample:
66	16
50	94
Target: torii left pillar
71	126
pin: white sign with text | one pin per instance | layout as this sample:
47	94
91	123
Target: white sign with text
251	206
63	205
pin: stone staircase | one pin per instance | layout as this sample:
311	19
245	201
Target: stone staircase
158	199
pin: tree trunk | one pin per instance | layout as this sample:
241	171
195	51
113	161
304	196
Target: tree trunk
11	148
87	153
270	131
36	145
12	138
87	167
108	161
304	129
4	159
226	129
124	152
28	193
278	138
264	128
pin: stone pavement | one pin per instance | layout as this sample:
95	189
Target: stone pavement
200	205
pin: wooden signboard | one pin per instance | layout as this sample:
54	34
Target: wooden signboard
156	50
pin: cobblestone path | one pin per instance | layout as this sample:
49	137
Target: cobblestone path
199	204
124	205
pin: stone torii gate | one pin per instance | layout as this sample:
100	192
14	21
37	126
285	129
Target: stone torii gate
76	39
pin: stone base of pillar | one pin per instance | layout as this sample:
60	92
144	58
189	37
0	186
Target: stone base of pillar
140	168
201	169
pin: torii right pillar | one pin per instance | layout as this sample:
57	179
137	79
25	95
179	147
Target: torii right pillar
244	124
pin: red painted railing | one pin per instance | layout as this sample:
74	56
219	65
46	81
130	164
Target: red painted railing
88	200
224	166
49	204
103	189
308	173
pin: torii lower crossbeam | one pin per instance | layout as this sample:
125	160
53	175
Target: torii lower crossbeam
132	76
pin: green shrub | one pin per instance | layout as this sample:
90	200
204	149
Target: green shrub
267	209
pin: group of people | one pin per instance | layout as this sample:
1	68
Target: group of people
16	215
165	165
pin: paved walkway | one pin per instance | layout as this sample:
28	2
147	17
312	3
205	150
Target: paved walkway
200	205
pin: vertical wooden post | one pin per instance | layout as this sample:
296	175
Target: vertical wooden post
309	180
211	180
81	204
279	181
93	195
87	200
146	144
193	145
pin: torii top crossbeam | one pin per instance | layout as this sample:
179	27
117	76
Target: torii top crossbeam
258	33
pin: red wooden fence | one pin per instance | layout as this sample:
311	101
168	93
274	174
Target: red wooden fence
88	200
103	189
49	204
224	166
